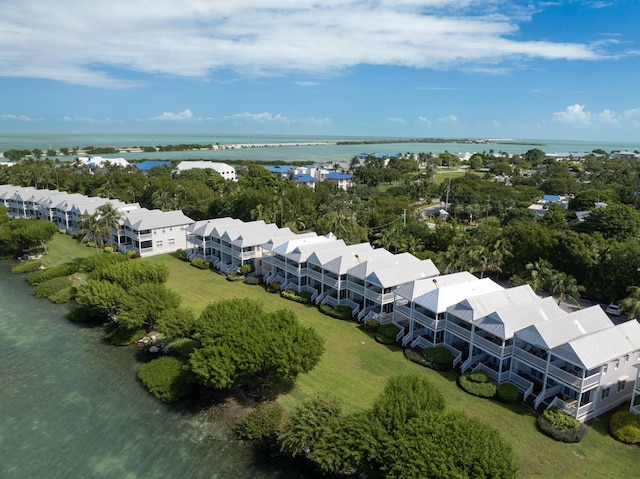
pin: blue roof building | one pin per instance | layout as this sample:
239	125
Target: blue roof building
148	164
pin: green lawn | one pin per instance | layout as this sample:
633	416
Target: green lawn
355	368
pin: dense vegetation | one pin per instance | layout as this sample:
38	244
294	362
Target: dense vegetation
407	434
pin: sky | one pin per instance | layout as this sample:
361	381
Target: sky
565	69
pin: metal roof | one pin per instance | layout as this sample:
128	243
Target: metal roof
506	322
476	307
602	346
402	273
439	299
419	287
555	332
144	219
364	269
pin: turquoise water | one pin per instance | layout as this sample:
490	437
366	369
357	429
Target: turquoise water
323	153
71	407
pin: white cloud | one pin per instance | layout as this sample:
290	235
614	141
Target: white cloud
425	120
448	119
168	116
574	114
89	121
578	115
101	43
396	120
10	117
307	83
264	117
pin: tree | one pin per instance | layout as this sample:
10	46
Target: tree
243	343
433	445
631	304
23	235
99	299
308	423
566	288
145	304
405	397
540	275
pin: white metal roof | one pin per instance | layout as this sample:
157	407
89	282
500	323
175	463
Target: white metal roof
291	244
387	260
505	322
419	287
144	219
439	299
555	332
476	307
602	346
403	273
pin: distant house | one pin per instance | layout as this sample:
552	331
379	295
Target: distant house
344	181
98	163
224	170
283	171
303	179
542	205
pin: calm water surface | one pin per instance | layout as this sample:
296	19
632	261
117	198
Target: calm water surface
71	406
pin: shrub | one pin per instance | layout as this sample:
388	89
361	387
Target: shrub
478	384
167	378
274	287
339	312
110	249
181	255
62	231
557	424
65	269
133	254
387	333
183	347
122	336
63	296
27	266
440	356
303	297
200	263
51	286
246	269
100	261
625	427
371	325
264	423
416	357
234	276
508	393
253	279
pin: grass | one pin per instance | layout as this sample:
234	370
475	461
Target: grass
355	369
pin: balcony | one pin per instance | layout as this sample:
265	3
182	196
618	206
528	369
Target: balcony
355	287
536	361
459	330
565	376
493	348
317	275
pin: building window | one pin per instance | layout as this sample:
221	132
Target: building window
616	364
626	358
605	368
159	244
622	384
605	393
172	241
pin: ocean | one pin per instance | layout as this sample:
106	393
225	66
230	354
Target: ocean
71	406
327	152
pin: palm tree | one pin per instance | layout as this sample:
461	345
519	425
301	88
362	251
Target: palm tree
566	287
540	274
109	218
631	304
88	229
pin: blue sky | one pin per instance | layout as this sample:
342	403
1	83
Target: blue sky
410	68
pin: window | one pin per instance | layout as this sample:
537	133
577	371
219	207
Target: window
159	244
616	364
172	241
626	358
622	384
605	368
605	393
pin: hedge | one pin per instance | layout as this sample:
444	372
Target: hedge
303	297
65	269
167	378
274	287
51	286
253	279
625	427
371	325
508	393
557	424
246	269
387	333
234	276
200	263
339	312
440	356
478	384
27	266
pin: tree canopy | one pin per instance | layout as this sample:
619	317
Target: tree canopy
243	343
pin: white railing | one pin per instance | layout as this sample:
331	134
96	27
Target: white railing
523	355
314	296
546	394
407	338
457	355
355	307
421	343
459	330
330	300
524	385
